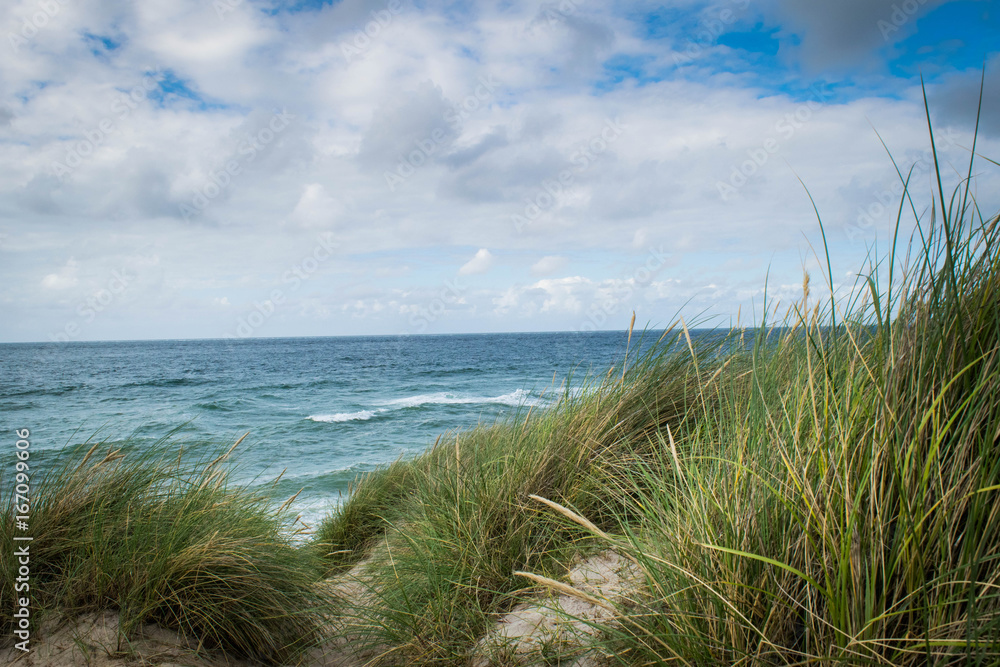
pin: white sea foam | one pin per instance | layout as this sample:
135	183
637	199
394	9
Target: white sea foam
360	415
514	398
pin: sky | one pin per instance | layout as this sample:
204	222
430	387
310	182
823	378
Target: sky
237	168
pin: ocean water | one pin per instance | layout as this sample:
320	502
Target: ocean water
322	410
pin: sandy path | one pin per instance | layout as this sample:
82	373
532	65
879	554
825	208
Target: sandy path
537	630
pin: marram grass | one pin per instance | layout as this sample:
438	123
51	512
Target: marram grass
164	538
824	489
844	507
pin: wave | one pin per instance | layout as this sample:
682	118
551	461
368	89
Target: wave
303	384
360	415
223	405
439	372
45	391
517	398
169	382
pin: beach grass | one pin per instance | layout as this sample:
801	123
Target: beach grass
847	508
163	537
822	488
827	491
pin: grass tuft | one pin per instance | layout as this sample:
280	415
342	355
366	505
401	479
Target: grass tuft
165	539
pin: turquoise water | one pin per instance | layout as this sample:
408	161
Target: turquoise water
322	410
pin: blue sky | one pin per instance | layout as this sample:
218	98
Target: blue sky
203	169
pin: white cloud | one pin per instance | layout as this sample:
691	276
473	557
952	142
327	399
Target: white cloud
500	153
548	265
64	278
316	208
481	263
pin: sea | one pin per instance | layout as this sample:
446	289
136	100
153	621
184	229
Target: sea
319	411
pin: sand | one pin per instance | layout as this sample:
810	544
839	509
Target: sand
551	628
93	640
